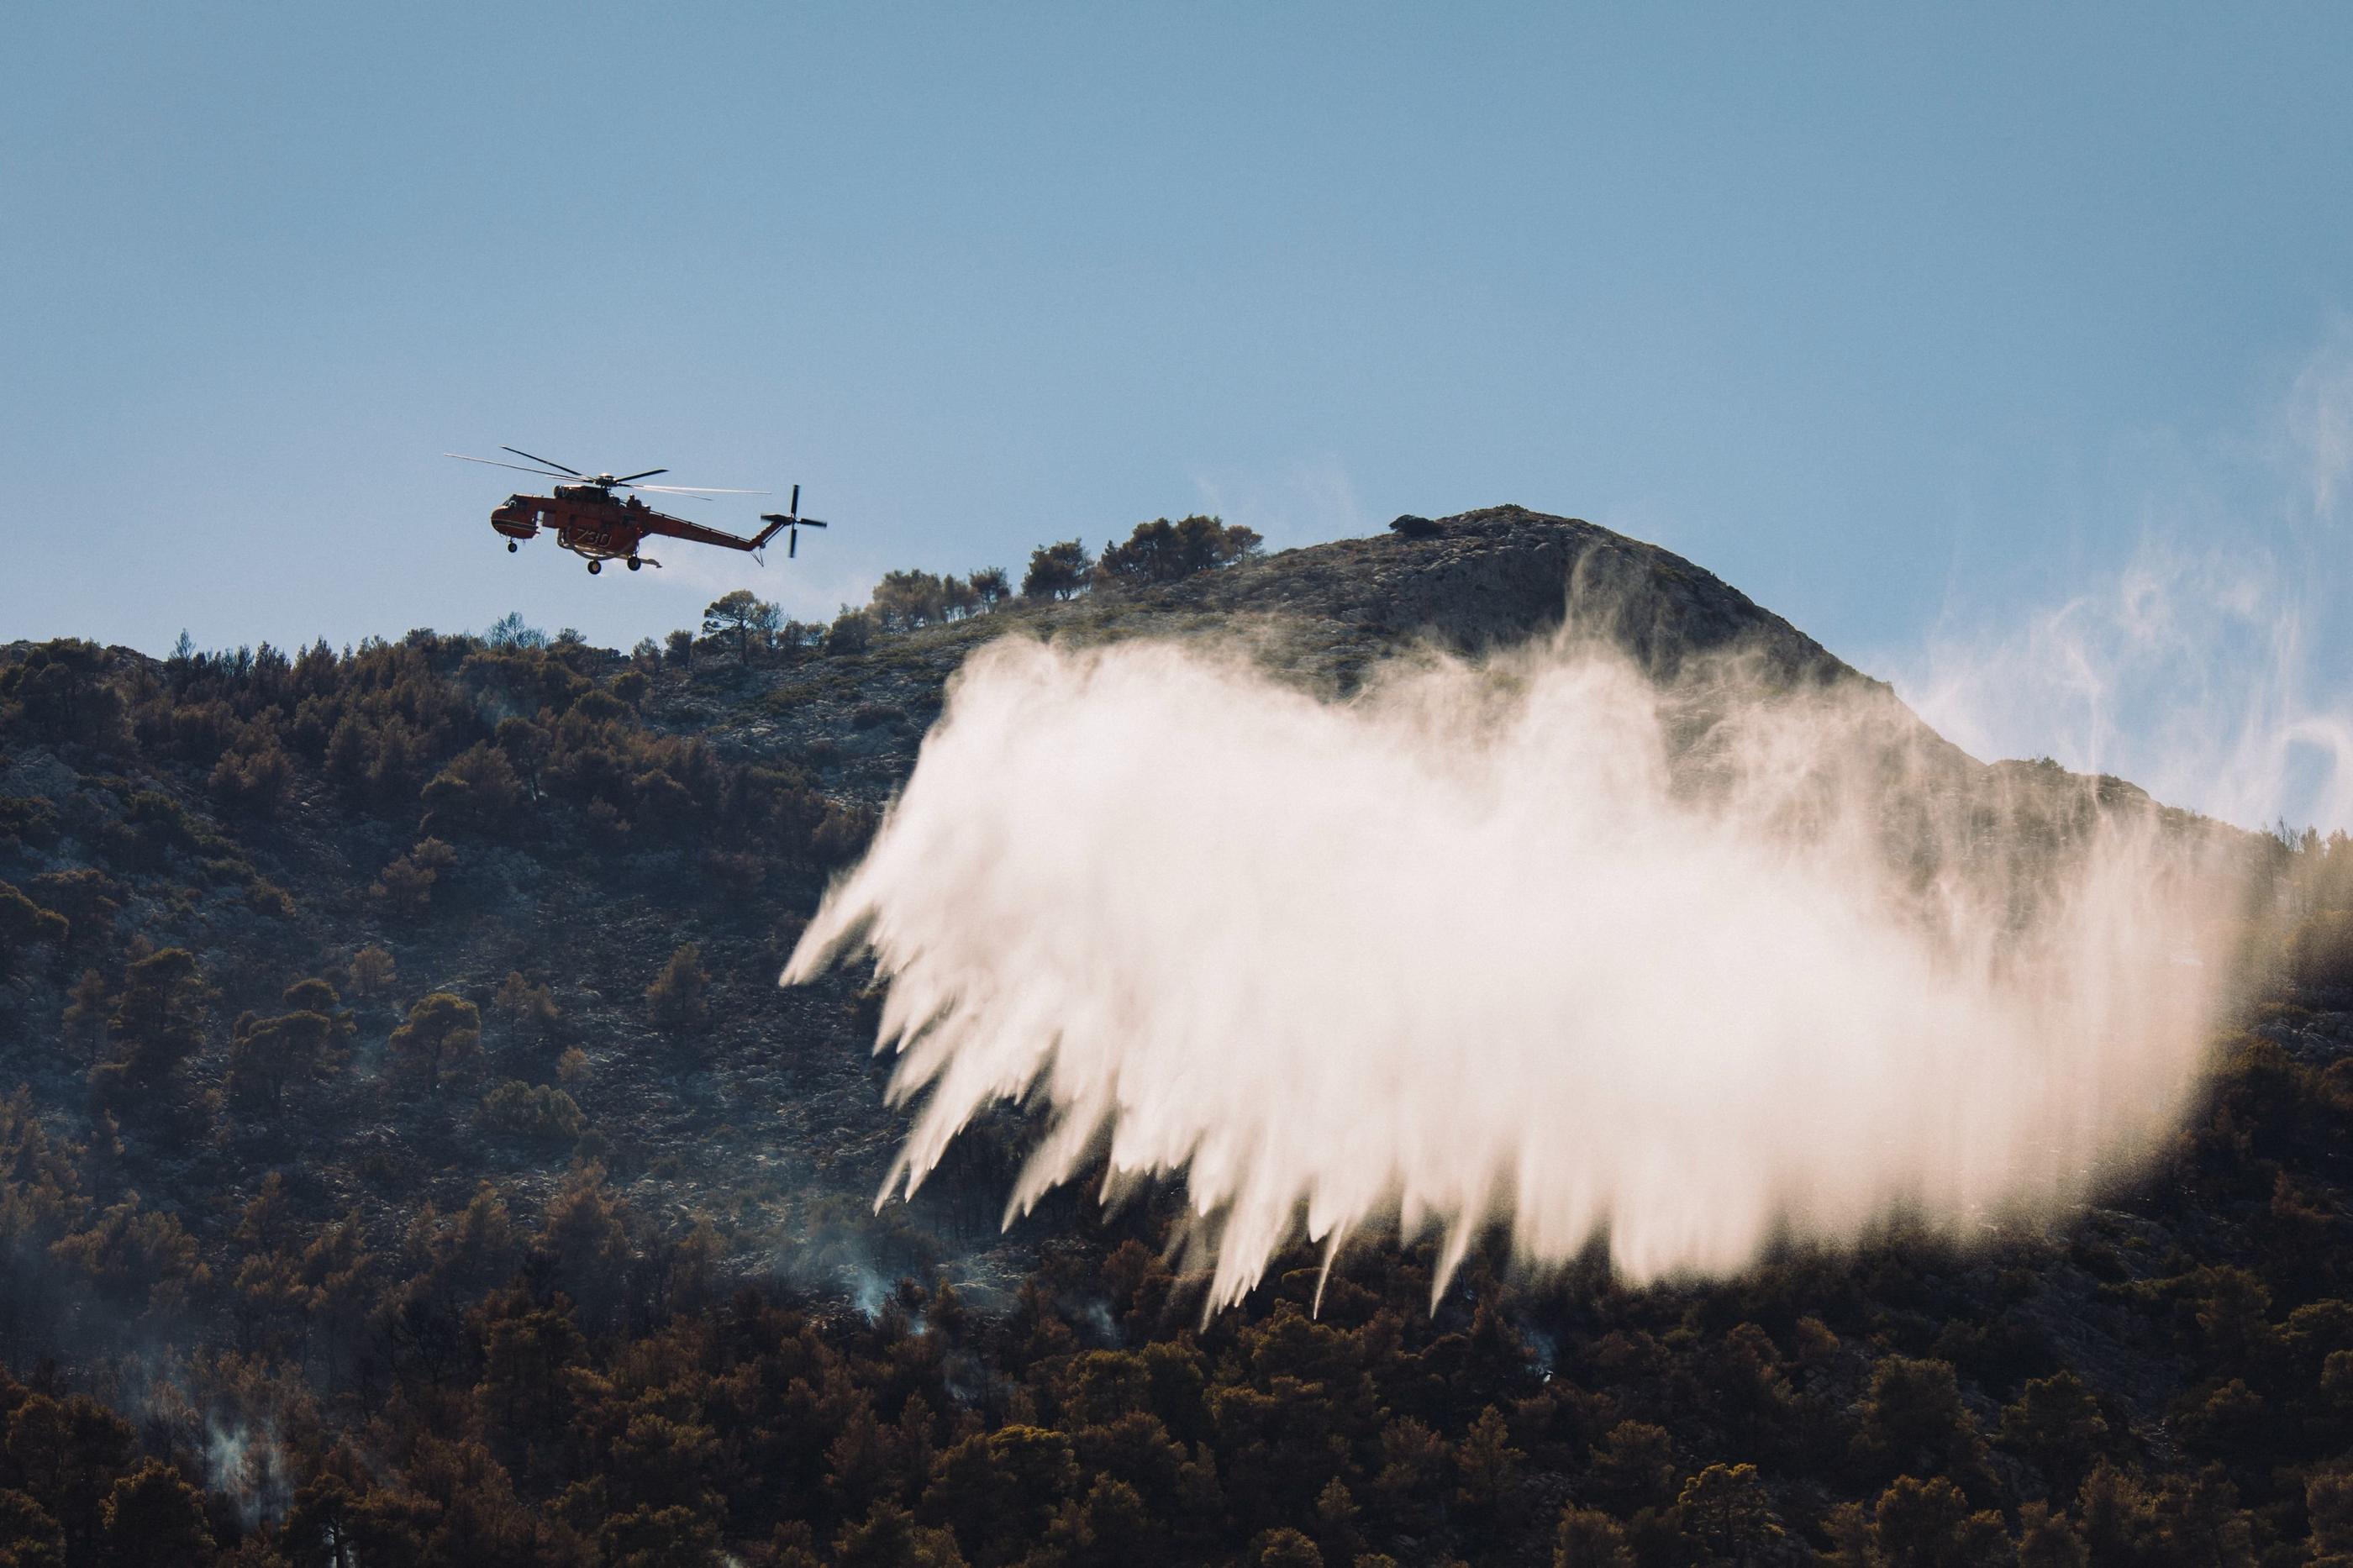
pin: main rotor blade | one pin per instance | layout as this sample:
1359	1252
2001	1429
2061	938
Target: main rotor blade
518	467
519	452
704	490
649	473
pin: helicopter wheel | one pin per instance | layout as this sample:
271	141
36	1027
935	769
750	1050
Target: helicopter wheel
595	567
635	562
511	547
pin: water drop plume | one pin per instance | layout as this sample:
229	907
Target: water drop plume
1692	966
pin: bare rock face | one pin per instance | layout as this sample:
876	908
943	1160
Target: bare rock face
1500	575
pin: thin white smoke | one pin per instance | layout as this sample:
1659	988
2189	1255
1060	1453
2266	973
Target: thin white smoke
1534	942
2211	667
2192	672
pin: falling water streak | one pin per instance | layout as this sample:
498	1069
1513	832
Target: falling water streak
1496	943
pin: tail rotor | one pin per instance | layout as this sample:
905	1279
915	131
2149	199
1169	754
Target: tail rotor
791	520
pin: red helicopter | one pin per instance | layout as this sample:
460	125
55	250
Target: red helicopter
590	520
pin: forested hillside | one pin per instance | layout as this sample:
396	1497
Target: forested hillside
407	1157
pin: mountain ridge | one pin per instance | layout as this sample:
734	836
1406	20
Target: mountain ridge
472	1044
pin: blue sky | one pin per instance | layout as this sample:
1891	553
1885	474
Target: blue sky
1899	317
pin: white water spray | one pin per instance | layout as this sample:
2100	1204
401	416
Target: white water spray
1533	942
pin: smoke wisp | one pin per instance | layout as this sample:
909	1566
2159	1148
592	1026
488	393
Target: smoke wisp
1534	942
2209	664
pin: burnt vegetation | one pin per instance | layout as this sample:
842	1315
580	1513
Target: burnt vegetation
405	1160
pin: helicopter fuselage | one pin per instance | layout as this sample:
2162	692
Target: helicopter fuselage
596	524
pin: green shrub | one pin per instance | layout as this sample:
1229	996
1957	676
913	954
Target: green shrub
534	1112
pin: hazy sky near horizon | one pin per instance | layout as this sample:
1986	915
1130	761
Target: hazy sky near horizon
1912	323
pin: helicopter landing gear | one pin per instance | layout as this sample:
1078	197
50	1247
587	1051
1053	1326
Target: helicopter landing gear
635	562
511	547
595	567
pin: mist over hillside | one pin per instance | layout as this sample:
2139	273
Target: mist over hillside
414	1159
